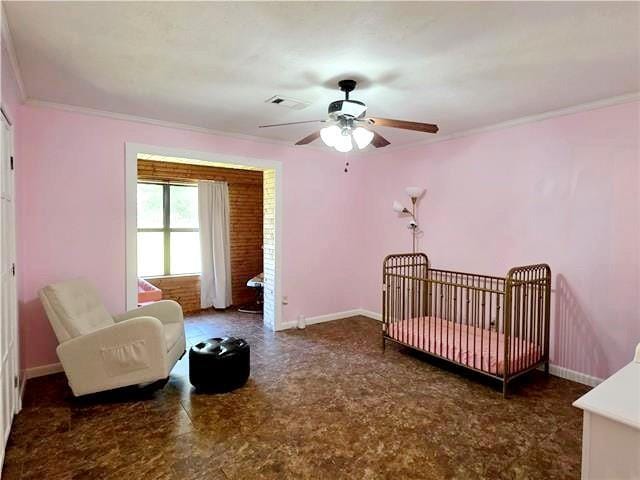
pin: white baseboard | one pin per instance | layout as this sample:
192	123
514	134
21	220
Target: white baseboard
556	370
23	384
370	314
334	316
574	376
42	370
323	318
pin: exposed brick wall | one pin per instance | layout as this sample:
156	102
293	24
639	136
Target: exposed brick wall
184	289
245	222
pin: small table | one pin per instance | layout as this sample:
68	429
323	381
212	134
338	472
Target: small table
256	282
219	364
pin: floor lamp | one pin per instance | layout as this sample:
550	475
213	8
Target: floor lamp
414	194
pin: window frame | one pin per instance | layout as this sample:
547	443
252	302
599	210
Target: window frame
166	229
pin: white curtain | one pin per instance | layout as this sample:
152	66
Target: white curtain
213	213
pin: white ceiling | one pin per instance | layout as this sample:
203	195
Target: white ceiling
460	65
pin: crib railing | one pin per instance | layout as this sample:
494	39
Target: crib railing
528	311
498	326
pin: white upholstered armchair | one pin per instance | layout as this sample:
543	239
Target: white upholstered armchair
101	352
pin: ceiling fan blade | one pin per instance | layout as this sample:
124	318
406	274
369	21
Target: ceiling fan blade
290	123
379	141
417	126
309	138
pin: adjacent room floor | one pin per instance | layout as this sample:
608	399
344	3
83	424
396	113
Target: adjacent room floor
324	402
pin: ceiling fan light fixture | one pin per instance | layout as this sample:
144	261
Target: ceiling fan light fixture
330	135
362	136
344	118
353	108
344	144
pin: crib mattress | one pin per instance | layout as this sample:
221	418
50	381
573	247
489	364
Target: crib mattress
479	348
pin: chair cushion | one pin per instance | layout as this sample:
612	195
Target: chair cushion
77	307
172	333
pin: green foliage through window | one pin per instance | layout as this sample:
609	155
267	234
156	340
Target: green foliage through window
168	230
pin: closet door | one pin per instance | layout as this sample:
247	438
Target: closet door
8	304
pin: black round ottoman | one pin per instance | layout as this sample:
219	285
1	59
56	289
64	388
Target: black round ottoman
219	364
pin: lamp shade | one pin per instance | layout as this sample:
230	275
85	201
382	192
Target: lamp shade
330	135
343	143
362	136
397	206
414	192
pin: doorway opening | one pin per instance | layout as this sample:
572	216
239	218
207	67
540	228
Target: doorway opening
162	246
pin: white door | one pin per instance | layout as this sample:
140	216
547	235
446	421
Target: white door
9	395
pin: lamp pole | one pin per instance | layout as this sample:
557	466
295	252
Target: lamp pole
415	225
414	193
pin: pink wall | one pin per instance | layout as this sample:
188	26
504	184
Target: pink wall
563	191
72	214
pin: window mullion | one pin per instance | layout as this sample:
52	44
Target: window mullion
166	228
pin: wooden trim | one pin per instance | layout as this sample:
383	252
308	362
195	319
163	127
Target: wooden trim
160	277
183	172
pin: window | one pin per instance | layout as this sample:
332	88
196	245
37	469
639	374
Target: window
168	236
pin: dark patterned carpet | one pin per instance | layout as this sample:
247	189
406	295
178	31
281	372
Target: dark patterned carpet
324	402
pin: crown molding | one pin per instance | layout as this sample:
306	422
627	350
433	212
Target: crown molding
13	59
159	123
8	41
607	102
583	107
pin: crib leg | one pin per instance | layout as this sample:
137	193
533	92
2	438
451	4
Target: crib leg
504	389
546	368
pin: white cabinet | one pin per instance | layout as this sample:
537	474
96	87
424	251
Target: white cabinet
611	426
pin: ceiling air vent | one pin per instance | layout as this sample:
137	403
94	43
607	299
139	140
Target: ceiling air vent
290	103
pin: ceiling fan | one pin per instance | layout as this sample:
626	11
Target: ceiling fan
347	124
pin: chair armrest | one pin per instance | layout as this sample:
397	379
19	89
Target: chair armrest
126	353
167	311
